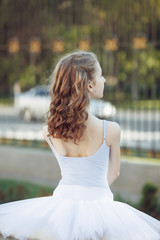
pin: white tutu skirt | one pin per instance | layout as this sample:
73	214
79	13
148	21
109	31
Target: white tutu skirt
76	213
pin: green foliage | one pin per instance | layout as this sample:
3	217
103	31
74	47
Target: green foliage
28	77
32	75
149	201
6	101
125	66
119	198
12	190
10	68
71	21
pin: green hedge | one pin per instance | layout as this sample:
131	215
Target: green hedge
12	190
149	202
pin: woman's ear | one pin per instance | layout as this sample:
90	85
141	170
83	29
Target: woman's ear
90	86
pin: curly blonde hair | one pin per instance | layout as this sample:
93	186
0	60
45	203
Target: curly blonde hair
69	95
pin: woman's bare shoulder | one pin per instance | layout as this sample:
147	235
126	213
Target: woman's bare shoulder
44	130
113	132
113	126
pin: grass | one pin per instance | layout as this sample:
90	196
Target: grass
146	104
13	190
137	159
125	103
6	101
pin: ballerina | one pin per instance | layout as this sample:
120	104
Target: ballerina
87	149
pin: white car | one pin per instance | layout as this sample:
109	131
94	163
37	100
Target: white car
35	102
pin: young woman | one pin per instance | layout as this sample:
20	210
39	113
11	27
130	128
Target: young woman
87	149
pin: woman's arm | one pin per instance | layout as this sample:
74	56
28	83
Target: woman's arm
113	136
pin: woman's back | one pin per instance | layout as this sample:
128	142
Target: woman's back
91	141
88	145
90	170
100	136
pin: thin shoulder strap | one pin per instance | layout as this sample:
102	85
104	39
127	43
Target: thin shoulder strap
105	129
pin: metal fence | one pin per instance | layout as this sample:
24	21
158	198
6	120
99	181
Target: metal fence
124	35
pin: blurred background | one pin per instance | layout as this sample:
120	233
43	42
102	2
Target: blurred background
125	35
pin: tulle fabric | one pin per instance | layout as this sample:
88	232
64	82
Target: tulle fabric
76	213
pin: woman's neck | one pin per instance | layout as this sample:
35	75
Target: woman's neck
91	117
88	109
